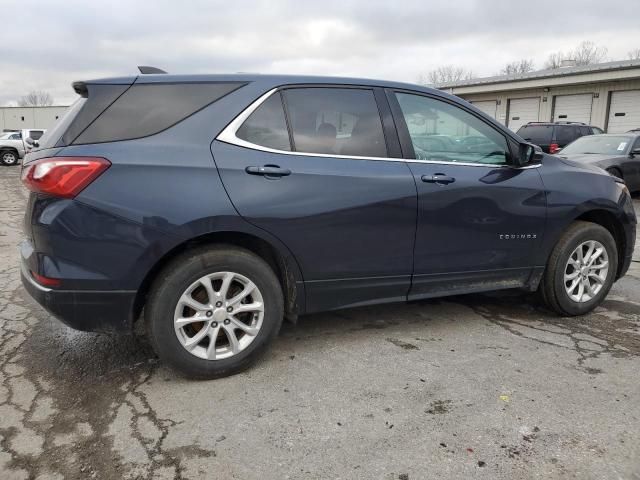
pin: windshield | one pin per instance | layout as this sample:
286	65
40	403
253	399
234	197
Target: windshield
598	144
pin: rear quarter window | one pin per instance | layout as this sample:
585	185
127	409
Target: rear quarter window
147	109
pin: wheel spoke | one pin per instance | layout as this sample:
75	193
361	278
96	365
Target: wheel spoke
213	337
211	294
573	286
580	290
226	282
599	266
248	288
595	255
188	300
249	307
182	321
587	257
588	288
571	276
252	331
192	342
596	277
233	340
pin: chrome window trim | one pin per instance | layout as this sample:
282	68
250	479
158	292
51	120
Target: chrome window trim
228	135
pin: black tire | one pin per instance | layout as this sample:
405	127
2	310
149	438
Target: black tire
552	289
176	277
616	172
8	157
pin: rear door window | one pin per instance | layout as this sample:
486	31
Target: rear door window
267	125
335	121
537	134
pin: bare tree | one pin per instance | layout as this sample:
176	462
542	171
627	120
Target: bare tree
519	66
587	53
634	54
36	98
445	74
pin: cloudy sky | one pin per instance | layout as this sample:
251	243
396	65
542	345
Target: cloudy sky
57	42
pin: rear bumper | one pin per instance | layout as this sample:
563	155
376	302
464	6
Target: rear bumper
86	310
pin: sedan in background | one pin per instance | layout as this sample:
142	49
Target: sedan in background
618	154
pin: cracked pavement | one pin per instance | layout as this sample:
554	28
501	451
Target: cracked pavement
479	386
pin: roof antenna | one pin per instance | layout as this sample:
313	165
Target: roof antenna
145	70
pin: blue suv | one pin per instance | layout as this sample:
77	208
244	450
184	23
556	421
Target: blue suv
220	204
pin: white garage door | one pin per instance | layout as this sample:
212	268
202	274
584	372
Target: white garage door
488	107
573	108
624	112
521	111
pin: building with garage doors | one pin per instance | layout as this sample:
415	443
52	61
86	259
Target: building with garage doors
606	95
16	118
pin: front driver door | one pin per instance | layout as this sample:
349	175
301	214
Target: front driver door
479	219
328	189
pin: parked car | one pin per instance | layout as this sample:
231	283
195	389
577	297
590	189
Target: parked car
220	204
618	154
552	136
13	145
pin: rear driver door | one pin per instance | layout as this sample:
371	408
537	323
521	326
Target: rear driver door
331	187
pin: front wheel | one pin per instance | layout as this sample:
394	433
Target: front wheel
581	269
8	157
213	311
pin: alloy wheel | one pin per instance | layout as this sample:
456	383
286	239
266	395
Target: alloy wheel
586	271
219	315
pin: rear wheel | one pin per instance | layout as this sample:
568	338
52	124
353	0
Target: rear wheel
9	157
212	312
580	270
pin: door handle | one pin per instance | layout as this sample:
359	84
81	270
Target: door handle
439	178
268	171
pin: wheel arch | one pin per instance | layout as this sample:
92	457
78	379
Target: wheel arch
284	266
613	225
10	149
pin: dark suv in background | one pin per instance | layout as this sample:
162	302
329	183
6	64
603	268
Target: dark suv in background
552	136
221	204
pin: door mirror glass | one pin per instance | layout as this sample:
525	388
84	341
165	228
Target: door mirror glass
526	154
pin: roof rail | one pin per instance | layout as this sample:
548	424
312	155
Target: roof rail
145	70
558	122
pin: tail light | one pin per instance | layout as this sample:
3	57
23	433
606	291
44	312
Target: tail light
554	147
63	176
46	281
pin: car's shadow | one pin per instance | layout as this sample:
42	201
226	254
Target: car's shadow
59	351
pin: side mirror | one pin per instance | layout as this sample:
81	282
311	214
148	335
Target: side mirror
526	154
32	142
635	151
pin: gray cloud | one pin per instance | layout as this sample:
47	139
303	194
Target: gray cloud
66	40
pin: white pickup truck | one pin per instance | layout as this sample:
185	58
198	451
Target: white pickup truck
14	146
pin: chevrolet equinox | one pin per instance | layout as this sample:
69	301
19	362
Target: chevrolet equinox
215	206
